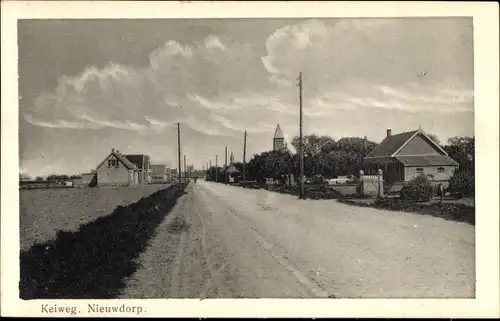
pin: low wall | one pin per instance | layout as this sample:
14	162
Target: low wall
41	184
345	189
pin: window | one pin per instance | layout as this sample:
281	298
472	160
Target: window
113	163
420	170
440	169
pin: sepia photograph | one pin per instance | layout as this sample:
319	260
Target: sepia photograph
245	158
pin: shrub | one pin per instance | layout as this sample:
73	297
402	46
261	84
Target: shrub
318	179
462	183
418	189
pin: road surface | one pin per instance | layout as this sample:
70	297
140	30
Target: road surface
228	242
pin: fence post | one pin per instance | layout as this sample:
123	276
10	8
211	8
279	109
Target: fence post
361	183
441	193
380	183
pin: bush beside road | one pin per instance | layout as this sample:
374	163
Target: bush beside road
450	210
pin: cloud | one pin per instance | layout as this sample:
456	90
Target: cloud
384	51
430	97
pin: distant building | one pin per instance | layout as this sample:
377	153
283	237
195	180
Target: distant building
159	173
116	169
278	140
86	180
143	165
407	155
171	174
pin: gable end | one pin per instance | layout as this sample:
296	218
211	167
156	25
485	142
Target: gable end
420	144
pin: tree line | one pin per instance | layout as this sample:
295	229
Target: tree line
330	158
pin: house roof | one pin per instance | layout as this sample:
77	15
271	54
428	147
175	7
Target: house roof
121	158
427	160
278	133
136	159
391	144
232	170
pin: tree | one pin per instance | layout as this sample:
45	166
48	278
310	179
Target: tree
355	144
270	164
434	138
462	150
55	177
342	157
312	142
39	178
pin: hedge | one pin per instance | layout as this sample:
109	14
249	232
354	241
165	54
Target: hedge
418	189
462	183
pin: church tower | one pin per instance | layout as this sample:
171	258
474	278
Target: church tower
278	140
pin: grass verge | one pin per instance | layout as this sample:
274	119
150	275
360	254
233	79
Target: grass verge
95	261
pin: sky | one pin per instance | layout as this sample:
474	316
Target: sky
87	86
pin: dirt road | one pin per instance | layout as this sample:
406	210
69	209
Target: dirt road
228	242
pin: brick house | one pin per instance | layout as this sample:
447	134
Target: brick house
143	166
116	169
409	154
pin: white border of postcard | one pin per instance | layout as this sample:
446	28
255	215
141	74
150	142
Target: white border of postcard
486	83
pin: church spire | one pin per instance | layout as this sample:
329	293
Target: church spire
279	139
278	133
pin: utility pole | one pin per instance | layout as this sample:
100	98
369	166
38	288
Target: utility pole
185	175
216	168
210	170
244	156
225	168
179	150
301	142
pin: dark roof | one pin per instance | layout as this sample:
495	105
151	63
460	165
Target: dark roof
124	160
121	158
232	170
427	160
136	159
391	144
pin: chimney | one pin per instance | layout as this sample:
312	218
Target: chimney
389	131
112	150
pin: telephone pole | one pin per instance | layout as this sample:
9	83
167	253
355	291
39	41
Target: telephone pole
185	175
216	168
244	156
301	195
225	168
179	150
210	170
